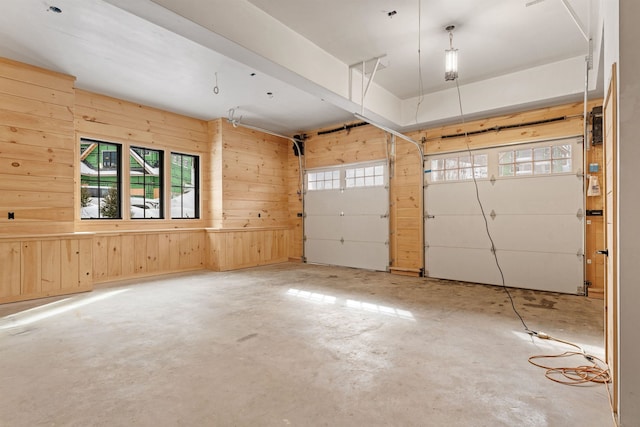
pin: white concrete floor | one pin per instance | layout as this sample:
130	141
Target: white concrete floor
293	344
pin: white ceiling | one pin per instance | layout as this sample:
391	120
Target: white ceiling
122	54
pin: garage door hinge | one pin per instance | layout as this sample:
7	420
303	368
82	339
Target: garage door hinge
580	254
580	214
580	174
493	180
386	243
386	215
304	238
342	240
493	214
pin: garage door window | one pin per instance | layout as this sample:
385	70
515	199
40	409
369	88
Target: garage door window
327	180
370	176
535	161
459	168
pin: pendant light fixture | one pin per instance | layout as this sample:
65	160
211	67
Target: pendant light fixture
451	57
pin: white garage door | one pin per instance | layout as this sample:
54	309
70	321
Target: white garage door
347	221
533	197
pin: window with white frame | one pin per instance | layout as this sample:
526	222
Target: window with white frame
535	161
326	180
367	176
459	168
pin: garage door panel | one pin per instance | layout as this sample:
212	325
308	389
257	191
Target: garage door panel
364	201
542	271
324	251
477	264
456	198
369	228
459	231
366	255
323	227
538	233
541	195
322	202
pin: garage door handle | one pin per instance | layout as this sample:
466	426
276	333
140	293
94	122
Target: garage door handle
603	252
430	216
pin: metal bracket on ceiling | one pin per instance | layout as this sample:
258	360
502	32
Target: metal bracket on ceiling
366	67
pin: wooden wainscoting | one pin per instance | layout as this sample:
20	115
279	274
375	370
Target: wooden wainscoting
129	254
43	266
231	249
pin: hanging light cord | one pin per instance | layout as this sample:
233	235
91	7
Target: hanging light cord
484	216
420	82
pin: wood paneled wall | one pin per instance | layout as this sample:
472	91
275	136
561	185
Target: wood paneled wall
252	169
113	120
129	254
595	269
36	267
572	125
36	150
242	248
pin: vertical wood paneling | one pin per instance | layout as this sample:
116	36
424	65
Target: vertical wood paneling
10	267
128	255
100	258
70	260
140	252
40	267
50	275
85	262
114	256
30	268
153	264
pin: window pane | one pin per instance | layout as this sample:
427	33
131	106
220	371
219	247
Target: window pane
379	180
451	163
145	183
368	181
350	173
100	180
506	157
359	172
368	171
506	170
360	182
465	173
481	172
542	168
480	160
562	151
562	166
437	176
542	153
523	169
379	170
185	186
464	161
437	165
523	155
452	175
336	175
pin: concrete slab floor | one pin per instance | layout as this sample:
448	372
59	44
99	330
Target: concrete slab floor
294	344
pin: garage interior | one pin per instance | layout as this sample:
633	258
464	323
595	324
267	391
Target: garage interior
316	223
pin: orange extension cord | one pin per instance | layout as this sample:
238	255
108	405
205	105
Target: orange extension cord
596	372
